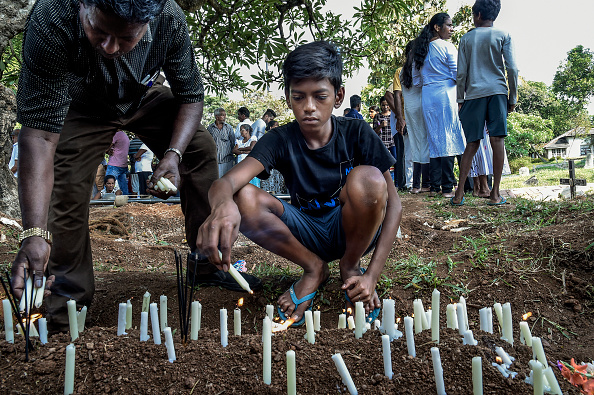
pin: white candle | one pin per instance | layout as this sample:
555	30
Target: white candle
351	322
128	314
389	318
69	371
39	294
419	313
81	318
224	331
121	319
469	338
42	330
387	353
240	280
32	330
317	315
267	350
460	317
501	369
428	320
489	320
376	324
553	383
310	333
169	344
8	323
526	334
451	317
499	314
477	376
237	322
146	301
508	331
438	371
435	316
144	326
291	373
410	339
155	323
359	320
72	319
342	321
344	374
504	356
270	311
537	377
26	297
538	351
483	319
462	301
163	312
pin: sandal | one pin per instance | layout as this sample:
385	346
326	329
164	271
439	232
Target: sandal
372	316
297	302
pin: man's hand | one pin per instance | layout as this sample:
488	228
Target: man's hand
219	231
400	124
169	168
362	289
511	108
33	256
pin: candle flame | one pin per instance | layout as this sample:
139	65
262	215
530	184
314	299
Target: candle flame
498	360
526	316
240	302
349	311
398	320
32	318
283	326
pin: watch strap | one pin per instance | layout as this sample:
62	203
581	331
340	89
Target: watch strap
178	152
46	235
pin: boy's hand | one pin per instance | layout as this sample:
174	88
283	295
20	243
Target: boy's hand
218	232
362	289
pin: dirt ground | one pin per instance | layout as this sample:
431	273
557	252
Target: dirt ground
533	256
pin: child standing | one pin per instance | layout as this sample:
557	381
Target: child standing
343	201
485	55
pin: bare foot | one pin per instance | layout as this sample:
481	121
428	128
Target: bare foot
308	283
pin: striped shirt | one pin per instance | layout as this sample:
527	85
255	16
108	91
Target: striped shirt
62	69
225	140
386	131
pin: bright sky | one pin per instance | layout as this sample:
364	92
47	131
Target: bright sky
543	32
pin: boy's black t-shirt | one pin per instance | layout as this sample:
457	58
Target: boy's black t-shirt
315	178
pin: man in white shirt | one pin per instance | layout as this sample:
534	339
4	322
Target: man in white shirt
143	167
259	127
243	114
14	157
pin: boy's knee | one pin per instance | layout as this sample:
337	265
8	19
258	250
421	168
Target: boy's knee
367	183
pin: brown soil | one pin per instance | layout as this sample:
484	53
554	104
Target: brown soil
546	271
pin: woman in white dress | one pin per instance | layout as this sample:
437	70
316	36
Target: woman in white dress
244	146
435	70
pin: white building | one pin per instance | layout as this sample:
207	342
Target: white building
572	144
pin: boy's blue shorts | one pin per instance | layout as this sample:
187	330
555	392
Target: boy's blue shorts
324	235
491	110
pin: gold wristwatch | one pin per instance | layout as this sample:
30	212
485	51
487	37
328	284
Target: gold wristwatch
46	235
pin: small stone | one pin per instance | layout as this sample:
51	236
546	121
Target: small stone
90	346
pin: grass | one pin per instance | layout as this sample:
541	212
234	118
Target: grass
547	176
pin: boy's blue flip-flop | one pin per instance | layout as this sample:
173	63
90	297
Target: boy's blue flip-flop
502	201
297	302
371	316
457	204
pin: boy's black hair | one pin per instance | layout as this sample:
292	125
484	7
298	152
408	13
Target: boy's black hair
272	124
316	60
107	177
489	9
347	110
270	112
244	111
138	11
355	101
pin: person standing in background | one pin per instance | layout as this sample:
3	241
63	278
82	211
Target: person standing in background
224	138
117	165
243	115
259	127
13	165
355	111
135	145
143	167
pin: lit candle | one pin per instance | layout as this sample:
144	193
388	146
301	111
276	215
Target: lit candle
359	320
128	314
419	313
270	311
435	316
291	373
163	312
460	317
537	377
81	318
538	351
310	333
169	344
342	321
410	338
237	322
469	338
43	330
462	301
146	301
8	324
526	334
72	319
121	319
499	313
477	376
344	374
553	383
505	358
69	372
389	319
155	323
224	332
267	350
351	322
387	353
32	330
144	326
508	330
451	317
438	371
317	318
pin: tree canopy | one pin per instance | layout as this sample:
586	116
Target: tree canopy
574	79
